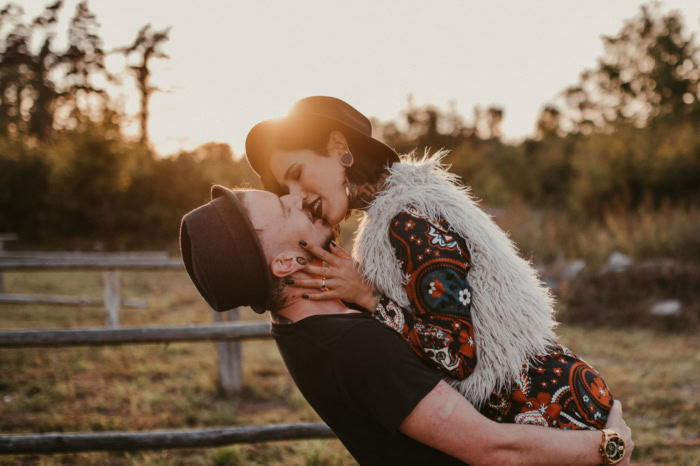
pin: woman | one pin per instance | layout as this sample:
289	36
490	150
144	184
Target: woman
442	274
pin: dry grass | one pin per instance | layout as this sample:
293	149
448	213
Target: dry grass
647	233
144	387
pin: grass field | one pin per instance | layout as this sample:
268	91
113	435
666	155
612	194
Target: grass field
144	387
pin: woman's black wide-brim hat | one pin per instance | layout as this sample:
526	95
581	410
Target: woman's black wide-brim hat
307	115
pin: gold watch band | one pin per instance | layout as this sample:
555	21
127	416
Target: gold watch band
618	444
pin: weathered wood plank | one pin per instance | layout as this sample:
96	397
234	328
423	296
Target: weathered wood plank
119	263
229	357
84	255
112	290
64	301
195	438
118	336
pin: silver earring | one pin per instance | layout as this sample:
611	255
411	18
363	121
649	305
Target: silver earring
349	189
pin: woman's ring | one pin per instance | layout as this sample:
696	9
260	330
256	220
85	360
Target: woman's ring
323	284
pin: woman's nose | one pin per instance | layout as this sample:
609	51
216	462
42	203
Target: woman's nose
296	190
294	200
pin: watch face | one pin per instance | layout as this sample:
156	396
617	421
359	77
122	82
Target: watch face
615	449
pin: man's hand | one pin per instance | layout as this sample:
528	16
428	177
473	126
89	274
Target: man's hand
616	423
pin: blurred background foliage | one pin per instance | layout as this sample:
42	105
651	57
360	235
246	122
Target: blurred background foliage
69	177
620	147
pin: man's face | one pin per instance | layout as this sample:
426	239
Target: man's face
284	220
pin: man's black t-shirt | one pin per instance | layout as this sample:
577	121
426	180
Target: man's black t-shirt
363	380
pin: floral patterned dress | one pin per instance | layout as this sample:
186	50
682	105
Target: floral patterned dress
559	390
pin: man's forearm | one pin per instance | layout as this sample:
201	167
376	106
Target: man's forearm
522	444
448	422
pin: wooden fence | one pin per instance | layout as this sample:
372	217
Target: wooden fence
229	352
227	332
109	263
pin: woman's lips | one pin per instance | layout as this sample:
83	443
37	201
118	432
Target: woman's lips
317	208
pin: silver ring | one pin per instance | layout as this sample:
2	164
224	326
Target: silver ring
323	284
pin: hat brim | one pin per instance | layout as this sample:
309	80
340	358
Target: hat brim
263	135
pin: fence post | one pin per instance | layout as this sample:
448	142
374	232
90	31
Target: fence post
112	297
229	352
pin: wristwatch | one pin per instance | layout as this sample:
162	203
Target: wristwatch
612	448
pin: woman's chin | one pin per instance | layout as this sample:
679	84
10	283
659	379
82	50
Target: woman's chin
334	220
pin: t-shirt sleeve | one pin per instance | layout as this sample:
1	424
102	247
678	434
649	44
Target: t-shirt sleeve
380	372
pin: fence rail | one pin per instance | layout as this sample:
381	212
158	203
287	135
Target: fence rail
119	336
83	254
109	263
194	438
65	301
89	263
226	332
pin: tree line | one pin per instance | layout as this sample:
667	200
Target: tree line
67	172
627	134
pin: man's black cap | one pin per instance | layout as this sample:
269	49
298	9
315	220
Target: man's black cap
223	254
306	115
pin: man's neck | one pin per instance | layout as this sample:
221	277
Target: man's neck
298	308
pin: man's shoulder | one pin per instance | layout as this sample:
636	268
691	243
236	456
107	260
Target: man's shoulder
344	336
340	328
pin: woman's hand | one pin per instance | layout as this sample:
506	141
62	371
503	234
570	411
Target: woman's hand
342	278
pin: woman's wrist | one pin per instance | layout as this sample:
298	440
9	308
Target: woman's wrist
370	300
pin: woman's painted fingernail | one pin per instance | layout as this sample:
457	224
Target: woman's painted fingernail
333	244
305	296
289	281
303	243
301	260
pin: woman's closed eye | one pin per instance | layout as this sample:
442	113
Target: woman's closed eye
295	174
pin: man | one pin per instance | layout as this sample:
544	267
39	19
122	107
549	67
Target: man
363	380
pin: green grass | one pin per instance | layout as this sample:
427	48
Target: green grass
146	387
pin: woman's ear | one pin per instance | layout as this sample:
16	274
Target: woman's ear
337	143
285	264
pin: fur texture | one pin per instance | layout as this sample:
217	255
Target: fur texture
512	312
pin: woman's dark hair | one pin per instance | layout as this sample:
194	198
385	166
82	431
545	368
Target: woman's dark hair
367	167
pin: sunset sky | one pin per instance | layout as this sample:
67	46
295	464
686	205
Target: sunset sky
234	63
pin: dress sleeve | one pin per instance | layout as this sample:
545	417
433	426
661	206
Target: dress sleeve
438	324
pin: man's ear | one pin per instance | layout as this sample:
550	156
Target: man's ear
284	264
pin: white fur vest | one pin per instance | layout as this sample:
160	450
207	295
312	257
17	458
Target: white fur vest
512	312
